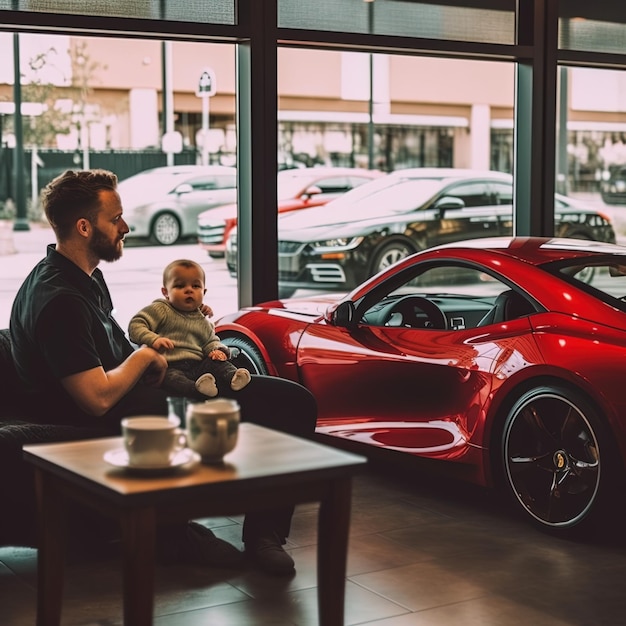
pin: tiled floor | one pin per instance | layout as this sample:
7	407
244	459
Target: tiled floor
423	551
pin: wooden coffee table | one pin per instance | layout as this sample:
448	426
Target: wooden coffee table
267	469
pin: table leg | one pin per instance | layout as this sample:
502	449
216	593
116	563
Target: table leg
51	550
138	537
332	552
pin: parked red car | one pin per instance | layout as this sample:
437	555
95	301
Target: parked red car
502	359
301	188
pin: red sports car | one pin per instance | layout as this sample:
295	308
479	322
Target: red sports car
502	358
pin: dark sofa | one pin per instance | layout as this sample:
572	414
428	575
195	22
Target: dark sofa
23	422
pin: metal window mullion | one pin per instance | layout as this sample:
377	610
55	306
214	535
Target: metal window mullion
257	142
535	119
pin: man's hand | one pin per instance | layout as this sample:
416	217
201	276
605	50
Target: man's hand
96	391
162	344
206	310
155	372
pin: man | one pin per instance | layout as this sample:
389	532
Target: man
68	347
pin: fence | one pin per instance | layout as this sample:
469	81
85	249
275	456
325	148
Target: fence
124	163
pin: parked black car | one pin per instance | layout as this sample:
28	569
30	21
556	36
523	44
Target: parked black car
338	246
613	190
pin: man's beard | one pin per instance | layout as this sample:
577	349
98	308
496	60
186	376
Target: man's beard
102	247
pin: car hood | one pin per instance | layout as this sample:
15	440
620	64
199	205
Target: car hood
229	211
219	213
315	306
320	223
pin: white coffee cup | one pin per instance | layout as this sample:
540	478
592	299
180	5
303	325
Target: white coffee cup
152	440
213	428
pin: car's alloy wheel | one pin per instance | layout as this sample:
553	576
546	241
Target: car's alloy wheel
165	229
555	462
390	253
249	355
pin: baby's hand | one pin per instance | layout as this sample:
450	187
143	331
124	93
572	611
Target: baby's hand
206	310
217	355
162	344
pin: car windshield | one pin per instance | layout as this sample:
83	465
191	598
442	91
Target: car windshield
389	195
605	277
291	183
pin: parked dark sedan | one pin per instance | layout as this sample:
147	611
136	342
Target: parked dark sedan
613	190
338	246
302	188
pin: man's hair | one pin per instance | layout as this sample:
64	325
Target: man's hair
74	195
182	263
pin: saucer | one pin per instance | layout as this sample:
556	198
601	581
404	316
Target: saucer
119	458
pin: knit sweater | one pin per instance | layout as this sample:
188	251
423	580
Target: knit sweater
192	333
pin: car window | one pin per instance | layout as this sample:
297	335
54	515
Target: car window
209	183
472	194
228	181
356	181
333	184
502	193
467	296
605	278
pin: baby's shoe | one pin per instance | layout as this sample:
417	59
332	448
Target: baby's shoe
240	379
206	385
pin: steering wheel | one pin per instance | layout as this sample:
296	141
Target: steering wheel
402	313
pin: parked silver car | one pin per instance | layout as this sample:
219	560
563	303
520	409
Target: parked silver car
164	203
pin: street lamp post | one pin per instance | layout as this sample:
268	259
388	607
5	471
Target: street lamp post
21	220
370	125
206	89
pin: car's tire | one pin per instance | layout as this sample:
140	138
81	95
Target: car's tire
249	355
559	466
165	229
389	253
216	255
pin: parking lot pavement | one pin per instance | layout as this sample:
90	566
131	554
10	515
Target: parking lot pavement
134	281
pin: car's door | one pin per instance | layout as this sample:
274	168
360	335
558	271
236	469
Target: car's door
418	390
475	217
502	194
204	192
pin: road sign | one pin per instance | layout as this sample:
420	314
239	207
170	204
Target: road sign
206	84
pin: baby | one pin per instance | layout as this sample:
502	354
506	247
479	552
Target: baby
176	325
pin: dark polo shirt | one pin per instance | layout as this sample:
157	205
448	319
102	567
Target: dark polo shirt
62	324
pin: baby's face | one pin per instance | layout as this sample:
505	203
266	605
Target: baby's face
184	288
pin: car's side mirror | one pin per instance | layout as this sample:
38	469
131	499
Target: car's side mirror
447	203
313	190
184	188
341	315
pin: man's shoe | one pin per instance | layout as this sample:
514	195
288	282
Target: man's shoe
268	553
199	545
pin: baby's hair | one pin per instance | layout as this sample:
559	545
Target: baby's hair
182	263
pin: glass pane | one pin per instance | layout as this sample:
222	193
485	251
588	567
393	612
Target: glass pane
214	12
423	134
591	143
578	33
434	20
92	102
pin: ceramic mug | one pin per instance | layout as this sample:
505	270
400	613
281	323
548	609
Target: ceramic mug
213	428
152	440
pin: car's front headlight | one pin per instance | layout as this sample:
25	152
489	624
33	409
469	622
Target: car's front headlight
337	244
